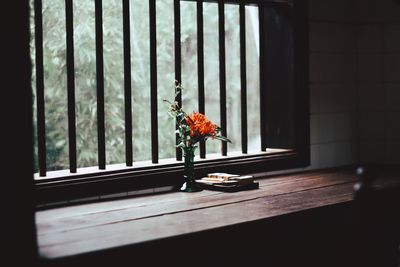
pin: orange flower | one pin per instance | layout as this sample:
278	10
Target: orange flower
200	126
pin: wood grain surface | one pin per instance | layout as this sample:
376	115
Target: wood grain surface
91	227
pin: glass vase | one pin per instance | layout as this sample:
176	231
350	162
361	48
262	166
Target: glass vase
190	184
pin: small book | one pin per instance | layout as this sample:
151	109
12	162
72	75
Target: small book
233	183
226	179
207	180
222	175
244	179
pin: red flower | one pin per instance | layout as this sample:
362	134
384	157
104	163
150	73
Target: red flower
200	126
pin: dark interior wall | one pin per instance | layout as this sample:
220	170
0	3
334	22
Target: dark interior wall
333	101
378	80
354	82
16	139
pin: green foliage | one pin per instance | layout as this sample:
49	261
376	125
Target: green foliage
55	75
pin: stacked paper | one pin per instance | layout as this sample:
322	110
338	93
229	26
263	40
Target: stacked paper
226	178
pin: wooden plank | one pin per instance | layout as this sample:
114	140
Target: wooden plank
130	232
40	113
173	197
49	224
263	83
71	211
222	75
243	78
200	69
69	30
153	81
101	137
178	59
127	82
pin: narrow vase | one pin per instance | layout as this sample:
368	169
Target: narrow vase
190	184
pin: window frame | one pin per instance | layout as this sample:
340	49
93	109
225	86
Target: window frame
158	175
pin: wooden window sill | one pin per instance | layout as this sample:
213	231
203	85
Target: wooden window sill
87	228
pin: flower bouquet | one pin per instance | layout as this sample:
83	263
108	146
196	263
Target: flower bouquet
191	129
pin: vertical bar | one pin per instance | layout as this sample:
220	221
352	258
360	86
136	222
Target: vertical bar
71	84
243	76
178	58
100	85
200	67
222	73
127	84
153	82
41	128
263	86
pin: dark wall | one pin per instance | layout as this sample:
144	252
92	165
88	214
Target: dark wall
16	138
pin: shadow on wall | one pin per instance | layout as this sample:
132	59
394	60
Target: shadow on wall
376	218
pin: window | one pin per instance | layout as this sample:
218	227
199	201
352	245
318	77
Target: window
102	68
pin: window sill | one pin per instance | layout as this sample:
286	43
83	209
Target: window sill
60	175
108	182
81	229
